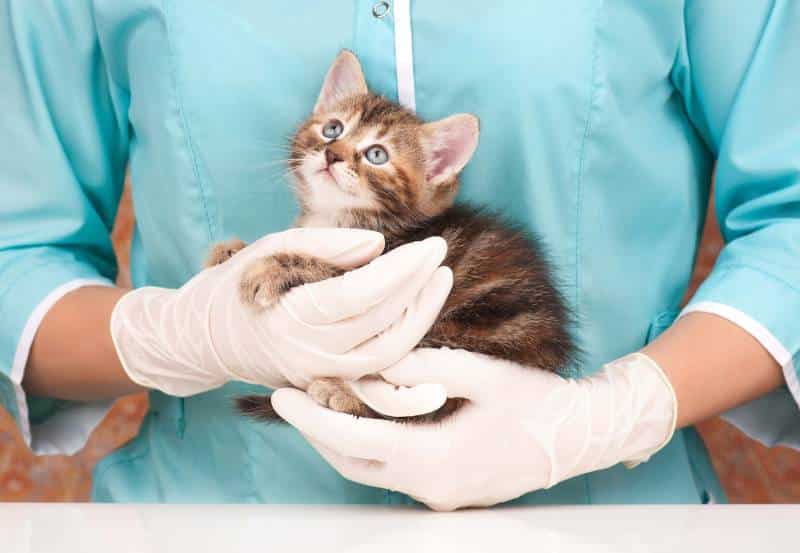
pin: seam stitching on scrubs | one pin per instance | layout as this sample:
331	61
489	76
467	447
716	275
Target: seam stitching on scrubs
693	469
6	290
123	126
100	474
252	459
109	462
168	17
173	59
587	128
757	47
726	267
579	187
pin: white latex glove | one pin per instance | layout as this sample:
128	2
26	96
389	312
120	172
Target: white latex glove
524	429
201	336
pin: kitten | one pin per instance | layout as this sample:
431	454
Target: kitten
363	161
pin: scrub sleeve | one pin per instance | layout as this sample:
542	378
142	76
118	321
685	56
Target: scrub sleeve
738	74
64	137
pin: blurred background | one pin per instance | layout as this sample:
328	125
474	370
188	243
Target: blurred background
749	472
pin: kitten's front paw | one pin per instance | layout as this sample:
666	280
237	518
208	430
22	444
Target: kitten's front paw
223	251
334	394
263	283
269	278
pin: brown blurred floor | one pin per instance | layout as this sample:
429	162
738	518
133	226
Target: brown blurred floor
750	472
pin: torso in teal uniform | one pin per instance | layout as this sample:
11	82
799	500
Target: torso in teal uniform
584	140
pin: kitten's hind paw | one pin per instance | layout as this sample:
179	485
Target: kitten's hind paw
334	394
269	278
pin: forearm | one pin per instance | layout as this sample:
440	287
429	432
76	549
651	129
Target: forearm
713	365
73	356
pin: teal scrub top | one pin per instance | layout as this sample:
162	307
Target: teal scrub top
600	125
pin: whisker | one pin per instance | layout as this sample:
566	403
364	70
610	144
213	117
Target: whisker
279	161
282	146
269	146
286	140
287	160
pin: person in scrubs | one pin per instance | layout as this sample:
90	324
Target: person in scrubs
601	123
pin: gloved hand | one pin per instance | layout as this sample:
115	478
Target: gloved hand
523	429
201	336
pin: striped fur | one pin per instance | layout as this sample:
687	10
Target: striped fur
504	301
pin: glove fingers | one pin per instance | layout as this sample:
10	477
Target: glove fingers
342	336
404	335
361	471
398	401
375	354
460	372
357	291
343	247
363	438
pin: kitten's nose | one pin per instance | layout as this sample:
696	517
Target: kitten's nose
331	157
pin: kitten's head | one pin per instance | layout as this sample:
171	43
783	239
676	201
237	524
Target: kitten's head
361	154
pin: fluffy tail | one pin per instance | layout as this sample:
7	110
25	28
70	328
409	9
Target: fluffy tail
258	408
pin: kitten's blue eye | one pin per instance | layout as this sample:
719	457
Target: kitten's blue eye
332	129
377	155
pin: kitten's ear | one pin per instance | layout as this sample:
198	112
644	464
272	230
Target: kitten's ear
345	78
449	144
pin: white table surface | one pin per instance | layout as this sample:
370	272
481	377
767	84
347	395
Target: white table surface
87	528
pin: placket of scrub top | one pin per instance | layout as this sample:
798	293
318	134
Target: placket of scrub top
382	41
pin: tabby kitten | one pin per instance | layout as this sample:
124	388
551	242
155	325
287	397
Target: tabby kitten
363	161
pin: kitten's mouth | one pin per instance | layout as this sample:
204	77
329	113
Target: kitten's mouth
326	173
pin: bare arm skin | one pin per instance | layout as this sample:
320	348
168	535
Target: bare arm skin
713	365
73	356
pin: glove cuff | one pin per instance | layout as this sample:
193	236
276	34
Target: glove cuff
151	347
657	403
124	337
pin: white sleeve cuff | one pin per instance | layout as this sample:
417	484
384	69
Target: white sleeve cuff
769	430
57	435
